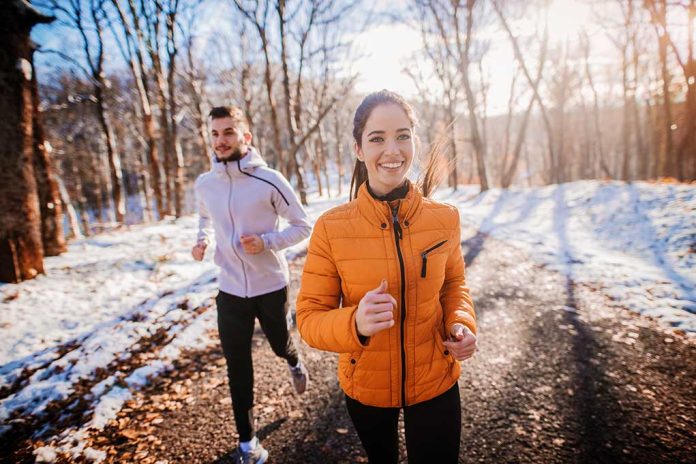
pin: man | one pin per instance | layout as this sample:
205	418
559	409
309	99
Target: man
244	198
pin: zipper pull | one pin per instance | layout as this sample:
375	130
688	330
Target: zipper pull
395	221
424	256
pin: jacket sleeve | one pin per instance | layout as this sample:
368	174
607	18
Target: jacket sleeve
320	320
288	206
205	230
455	299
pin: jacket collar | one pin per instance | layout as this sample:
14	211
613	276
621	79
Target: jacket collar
378	212
246	164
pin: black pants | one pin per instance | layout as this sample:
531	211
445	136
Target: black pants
433	428
236	316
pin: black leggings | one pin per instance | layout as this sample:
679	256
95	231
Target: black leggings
433	428
236	316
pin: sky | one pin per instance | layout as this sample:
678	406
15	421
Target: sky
387	46
390	47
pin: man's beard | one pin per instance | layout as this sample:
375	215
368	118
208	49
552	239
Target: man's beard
234	156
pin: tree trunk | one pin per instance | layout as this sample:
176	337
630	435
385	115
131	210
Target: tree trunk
167	144
174	142
339	153
280	154
323	158
137	65
292	130
117	190
49	195
453	175
625	123
69	210
21	250
77	176
475	136
542	107
196	98
595	112
509	175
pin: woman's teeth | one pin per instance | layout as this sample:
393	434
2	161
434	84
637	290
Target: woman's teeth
392	165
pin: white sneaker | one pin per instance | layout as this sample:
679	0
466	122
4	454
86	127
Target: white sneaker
300	377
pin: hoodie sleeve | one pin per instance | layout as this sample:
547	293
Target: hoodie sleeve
288	206
205	230
454	296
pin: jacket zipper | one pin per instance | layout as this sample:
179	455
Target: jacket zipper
398	235
229	202
424	256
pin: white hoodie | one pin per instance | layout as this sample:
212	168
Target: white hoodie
247	197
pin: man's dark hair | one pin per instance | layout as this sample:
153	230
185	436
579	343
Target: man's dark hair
237	115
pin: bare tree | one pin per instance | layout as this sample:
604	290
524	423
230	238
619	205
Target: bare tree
257	14
598	135
21	249
673	160
50	203
455	23
193	75
132	48
447	72
89	20
534	85
509	171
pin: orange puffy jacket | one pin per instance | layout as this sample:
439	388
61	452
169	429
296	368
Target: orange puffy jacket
352	248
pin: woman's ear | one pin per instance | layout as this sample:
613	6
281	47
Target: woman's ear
358	151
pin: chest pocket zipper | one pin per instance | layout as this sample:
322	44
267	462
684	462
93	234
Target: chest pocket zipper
424	256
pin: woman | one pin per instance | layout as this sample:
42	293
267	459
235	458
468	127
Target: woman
384	286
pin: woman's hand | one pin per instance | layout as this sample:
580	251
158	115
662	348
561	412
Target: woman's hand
375	311
462	345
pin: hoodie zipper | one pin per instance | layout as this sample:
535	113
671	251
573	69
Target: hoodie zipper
229	204
398	235
424	256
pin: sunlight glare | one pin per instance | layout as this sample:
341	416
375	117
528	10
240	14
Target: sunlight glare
567	18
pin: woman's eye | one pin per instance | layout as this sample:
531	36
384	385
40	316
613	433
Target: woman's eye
376	139
404	137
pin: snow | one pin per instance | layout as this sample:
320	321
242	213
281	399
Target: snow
91	319
95	309
637	242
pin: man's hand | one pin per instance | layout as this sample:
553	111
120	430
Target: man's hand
198	251
375	311
252	244
462	344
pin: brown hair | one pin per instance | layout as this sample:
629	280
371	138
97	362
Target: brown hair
237	115
432	174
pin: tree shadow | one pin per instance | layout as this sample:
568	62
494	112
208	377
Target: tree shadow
475	244
658	253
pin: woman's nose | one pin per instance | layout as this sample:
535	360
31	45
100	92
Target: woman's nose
391	147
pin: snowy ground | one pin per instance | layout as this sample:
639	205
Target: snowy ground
109	296
636	242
